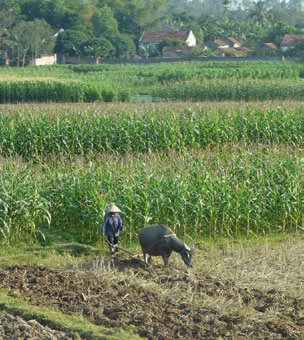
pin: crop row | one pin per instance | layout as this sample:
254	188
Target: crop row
31	134
56	91
231	90
225	191
163	72
167	70
228	71
33	91
195	81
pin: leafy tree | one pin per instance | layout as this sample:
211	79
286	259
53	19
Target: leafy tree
136	15
7	48
114	4
225	4
182	21
211	7
58	13
7	20
258	13
98	48
5	5
75	16
277	31
255	35
30	9
31	39
84	22
42	40
70	41
122	21
124	46
104	24
294	4
212	29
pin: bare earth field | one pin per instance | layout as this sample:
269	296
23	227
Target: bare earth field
235	291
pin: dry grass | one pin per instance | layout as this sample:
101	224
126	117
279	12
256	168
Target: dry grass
237	289
266	264
261	264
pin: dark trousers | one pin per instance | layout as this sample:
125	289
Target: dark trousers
113	239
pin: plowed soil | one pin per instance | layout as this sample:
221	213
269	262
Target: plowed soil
156	302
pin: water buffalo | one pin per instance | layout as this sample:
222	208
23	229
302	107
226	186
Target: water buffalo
159	240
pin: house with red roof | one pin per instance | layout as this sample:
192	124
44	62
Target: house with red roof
290	41
152	40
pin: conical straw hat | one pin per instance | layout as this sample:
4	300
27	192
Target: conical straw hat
114	208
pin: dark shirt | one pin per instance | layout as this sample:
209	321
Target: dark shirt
112	224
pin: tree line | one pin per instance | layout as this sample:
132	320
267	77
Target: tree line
111	29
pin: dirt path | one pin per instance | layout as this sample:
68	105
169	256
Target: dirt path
156	303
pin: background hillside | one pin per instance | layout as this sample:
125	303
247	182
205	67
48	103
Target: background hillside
31	28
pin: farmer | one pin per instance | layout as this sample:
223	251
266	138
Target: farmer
112	226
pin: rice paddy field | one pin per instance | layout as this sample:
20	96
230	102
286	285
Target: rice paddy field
213	150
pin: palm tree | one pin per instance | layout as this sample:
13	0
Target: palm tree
259	14
225	4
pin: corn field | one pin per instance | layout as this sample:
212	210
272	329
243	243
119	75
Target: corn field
190	81
231	90
34	133
225	169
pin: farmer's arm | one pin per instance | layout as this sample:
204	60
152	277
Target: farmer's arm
120	225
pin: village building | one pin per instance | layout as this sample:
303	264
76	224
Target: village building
177	51
152	40
267	49
290	41
232	42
